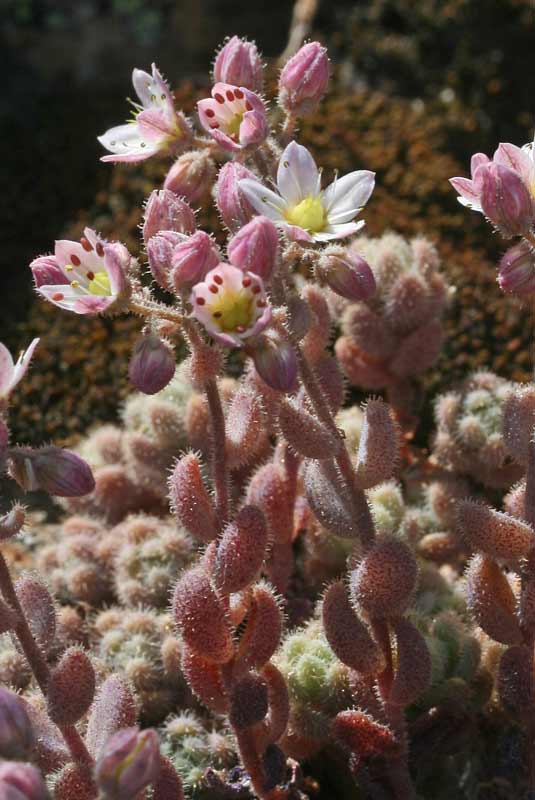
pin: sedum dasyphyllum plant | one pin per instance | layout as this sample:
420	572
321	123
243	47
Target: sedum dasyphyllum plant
258	592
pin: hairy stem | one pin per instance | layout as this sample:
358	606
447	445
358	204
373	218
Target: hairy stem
219	451
37	662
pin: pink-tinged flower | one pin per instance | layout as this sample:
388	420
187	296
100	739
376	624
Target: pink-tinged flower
469	190
191	176
12	372
130	762
231	304
234	116
517	270
152	364
347	274
303	80
156	126
255	247
19	781
51	469
90	276
164	211
504	199
232	204
302	209
239	63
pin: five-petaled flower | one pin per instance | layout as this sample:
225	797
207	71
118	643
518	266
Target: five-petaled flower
156	125
302	208
231	304
12	372
234	116
86	277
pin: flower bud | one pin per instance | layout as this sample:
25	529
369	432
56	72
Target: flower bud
152	364
165	211
51	469
21	782
517	270
304	79
347	274
255	247
17	738
505	200
192	259
130	763
160	252
275	361
233	206
191	176
239	63
46	271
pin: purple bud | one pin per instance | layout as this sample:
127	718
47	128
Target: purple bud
51	469
165	211
347	274
152	364
233	206
304	79
505	200
21	782
46	271
517	270
192	260
17	739
255	247
160	252
130	762
191	176
239	64
276	362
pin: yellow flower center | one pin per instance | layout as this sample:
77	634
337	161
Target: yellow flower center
309	214
100	284
232	311
233	127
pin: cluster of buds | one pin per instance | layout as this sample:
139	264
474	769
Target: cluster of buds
503	189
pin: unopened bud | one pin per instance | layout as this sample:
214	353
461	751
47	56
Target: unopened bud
303	80
275	361
130	763
254	248
17	739
46	271
517	270
505	199
191	176
192	260
239	63
51	469
165	211
347	274
233	206
21	782
160	252
152	364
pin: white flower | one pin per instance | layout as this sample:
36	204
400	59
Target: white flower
302	208
12	372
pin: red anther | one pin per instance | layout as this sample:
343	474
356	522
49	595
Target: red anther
210	112
200	301
214	125
246	282
256	289
214	289
248	106
230	95
86	244
239	94
75	260
100	249
219	98
218	279
58	296
90	276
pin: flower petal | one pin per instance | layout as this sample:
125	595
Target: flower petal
7	369
127	143
153	124
263	200
297	175
516	159
294	233
152	90
350	192
23	362
339	231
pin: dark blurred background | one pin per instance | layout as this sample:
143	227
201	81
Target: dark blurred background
418	86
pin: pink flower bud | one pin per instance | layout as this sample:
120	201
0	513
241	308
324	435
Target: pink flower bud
275	361
46	271
191	176
505	200
152	364
192	259
17	738
347	274
517	270
21	782
233	206
255	247
304	79
165	211
238	62
160	252
51	469
130	762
